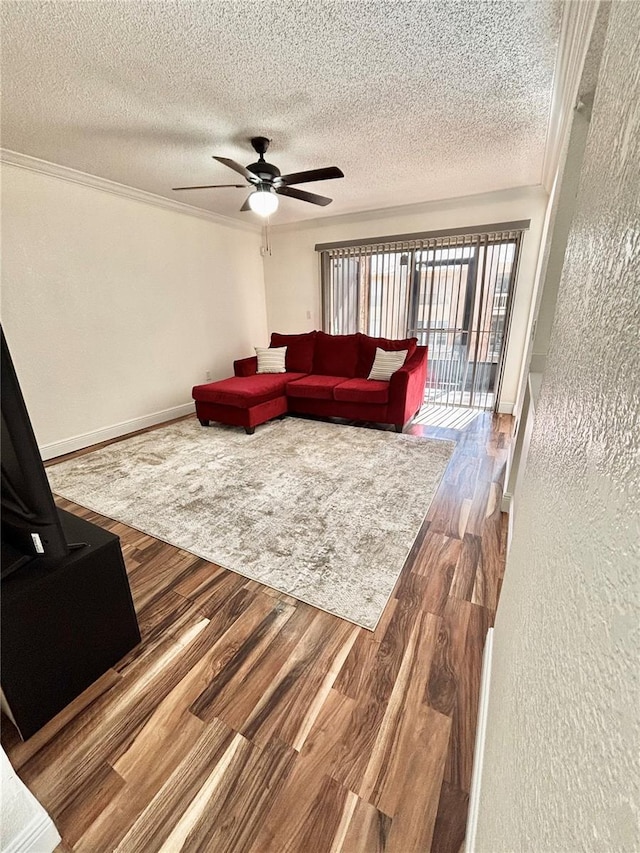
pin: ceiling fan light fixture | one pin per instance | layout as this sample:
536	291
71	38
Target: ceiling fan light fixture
263	202
264	180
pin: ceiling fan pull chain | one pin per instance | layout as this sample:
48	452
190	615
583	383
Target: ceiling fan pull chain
265	249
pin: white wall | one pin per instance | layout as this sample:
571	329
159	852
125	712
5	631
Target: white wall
583	33
560	766
555	234
579	53
292	276
563	215
114	309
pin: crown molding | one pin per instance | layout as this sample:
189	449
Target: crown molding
578	19
452	203
65	173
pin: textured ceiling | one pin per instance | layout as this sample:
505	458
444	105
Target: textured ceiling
414	101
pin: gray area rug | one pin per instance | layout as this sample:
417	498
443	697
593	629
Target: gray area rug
323	512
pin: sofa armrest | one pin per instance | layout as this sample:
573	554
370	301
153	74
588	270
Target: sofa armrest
246	366
406	387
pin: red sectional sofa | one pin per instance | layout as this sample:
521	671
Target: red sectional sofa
325	375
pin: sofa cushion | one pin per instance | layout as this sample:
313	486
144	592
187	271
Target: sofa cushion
386	363
299	350
336	355
362	391
317	386
368	347
271	359
244	391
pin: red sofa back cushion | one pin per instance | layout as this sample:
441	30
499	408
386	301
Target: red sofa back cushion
336	355
300	348
368	351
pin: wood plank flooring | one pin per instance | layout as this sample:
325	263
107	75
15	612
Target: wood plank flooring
249	722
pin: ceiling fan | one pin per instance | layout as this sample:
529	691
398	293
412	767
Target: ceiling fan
267	183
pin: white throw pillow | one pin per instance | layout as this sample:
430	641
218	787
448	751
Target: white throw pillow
271	359
385	363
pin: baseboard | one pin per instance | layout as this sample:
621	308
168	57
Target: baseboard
478	753
38	836
507	506
509	532
506	408
77	442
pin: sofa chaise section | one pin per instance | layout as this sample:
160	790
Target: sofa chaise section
244	400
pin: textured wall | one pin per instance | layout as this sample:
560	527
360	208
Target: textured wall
560	770
565	198
562	217
113	308
292	275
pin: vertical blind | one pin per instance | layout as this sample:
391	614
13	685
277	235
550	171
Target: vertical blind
453	291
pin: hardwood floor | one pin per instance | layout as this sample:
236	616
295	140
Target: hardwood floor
249	722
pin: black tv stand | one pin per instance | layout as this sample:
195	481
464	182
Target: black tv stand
64	623
12	559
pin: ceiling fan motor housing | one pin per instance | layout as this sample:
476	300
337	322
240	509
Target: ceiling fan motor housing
265	171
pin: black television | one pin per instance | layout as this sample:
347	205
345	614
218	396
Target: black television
31	526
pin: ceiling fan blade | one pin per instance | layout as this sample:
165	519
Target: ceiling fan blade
311	175
237	168
245	206
304	196
211	187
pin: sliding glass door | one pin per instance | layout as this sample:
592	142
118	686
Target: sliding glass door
459	311
453	293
